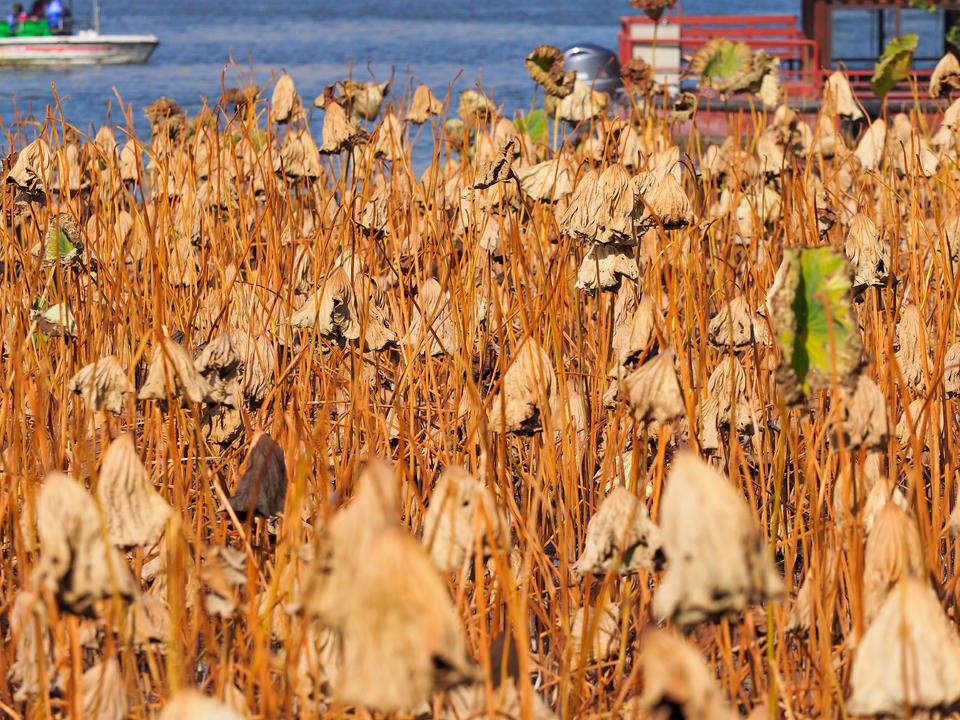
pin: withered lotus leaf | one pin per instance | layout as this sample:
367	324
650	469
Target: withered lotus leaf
718	562
500	168
31	172
599	628
653	391
77	563
637	75
224	575
469	702
102	385
945	77
339	133
605	267
668	206
838	98
390	142
461	512
803	616
423	106
582	104
870	149
475	109
909	346
528	385
402	637
262	487
298	157
653	9
634	327
867	252
579	218
864	422
545	65
134	512
951	370
431	327
737	326
621	537
894	551
104	693
285	105
548	181
194	705
677	683
63	243
172	367
127	163
909	657
365	98
725	404
33	644
106	143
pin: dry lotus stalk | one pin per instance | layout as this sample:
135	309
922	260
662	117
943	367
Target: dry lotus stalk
194	705
172	367
909	346
285	105
581	105
339	133
134	512
725	404
838	98
718	562
461	512
500	168
104	693
600	628
870	150
423	106
299	157
76	564
621	538
951	370
653	391
867	252
864	422
677	683
909	658
605	267
545	65
737	327
528	384
366	98
945	77
262	487
431	326
31	172
634	326
102	385
894	551
668	206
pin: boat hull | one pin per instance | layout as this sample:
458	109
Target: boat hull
77	50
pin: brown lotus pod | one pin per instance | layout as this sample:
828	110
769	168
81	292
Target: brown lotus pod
76	562
725	405
172	369
285	104
653	391
737	327
718	561
581	105
634	327
34	655
909	657
134	512
500	168
104	693
31	173
423	106
677	683
864	422
461	512
870	150
298	157
365	99
528	386
867	251
894	551
102	385
402	638
908	345
194	705
545	65
605	267
339	133
474	109
621	538
594	634
262	487
224	575
668	206
945	77
951	370
838	99
432	329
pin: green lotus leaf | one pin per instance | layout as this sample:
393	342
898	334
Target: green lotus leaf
719	61
893	66
533	125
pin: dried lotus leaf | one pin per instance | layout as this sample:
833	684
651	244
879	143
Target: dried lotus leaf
431	326
945	77
474	109
653	391
134	512
951	370
76	562
893	551
31	173
867	251
104	692
548	181
194	705
262	487
102	385
870	150
34	651
605	267
285	105
298	157
171	366
365	98
653	9
634	327
737	327
224	575
339	133
621	538
668	206
864	422
545	65
595	633
582	104
461	511
908	343
423	106
528	383
500	168
469	702
390	142
718	562
838	99
725	405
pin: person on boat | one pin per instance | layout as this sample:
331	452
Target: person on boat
54	14
16	17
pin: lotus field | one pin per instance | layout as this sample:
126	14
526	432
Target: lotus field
585	415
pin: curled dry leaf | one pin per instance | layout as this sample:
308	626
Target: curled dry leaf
803	615
431	327
548	181
31	172
951	370
76	563
172	367
653	391
194	705
462	511
717	560
864	422
637	76
634	325
621	538
600	628
423	106
102	385
870	149
838	99
545	65
737	327
894	551
224	575
104	693
653	9
725	405
469	702
605	267
668	206
134	512
366	98
582	104
909	346
867	251
909	657
262	487
529	384
285	105
500	168
677	683
339	133
298	157
475	109
945	77
33	644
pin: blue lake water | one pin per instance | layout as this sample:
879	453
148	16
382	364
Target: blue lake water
316	42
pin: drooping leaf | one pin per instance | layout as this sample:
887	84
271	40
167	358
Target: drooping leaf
719	61
815	325
893	66
534	124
